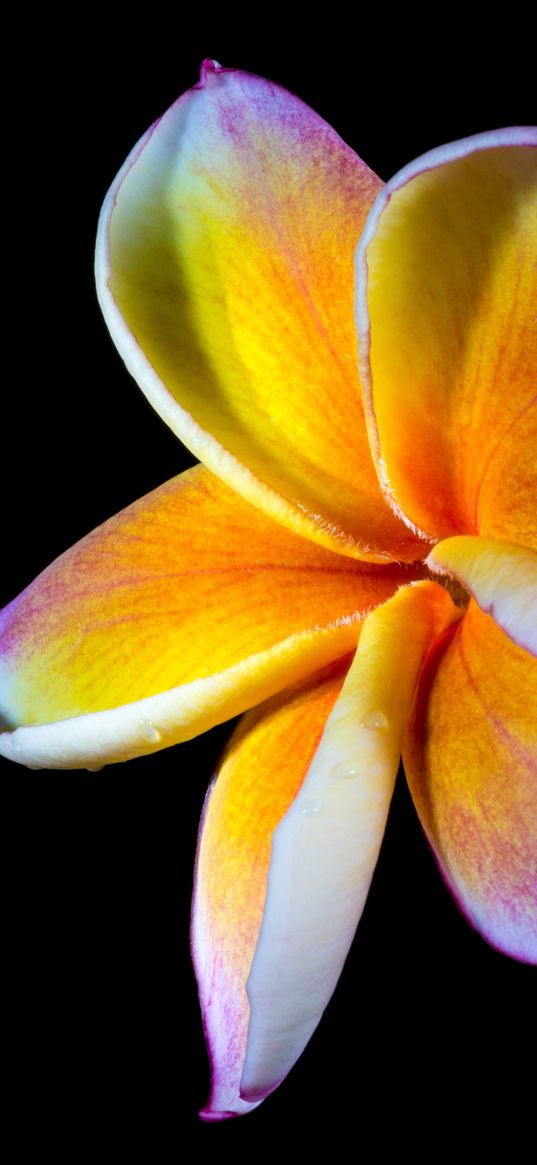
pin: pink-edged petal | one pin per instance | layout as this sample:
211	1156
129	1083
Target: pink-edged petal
447	286
327	763
258	780
185	609
471	761
225	274
501	577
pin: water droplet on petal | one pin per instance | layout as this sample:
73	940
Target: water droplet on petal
310	808
94	768
344	771
149	732
375	721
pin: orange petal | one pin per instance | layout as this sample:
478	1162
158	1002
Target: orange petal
501	577
185	609
259	779
225	273
447	272
471	763
336	761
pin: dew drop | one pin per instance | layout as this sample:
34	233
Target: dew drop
375	721
149	732
310	809
344	772
94	768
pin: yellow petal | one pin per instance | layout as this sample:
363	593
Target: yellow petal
471	762
225	273
447	272
185	609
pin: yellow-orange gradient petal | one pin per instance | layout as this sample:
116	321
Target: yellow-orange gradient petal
261	774
185	609
501	577
225	274
447	288
336	761
471	763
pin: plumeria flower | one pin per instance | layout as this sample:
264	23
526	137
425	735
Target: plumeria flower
353	562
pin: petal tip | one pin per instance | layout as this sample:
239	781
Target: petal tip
253	1095
506	937
207	72
212	1116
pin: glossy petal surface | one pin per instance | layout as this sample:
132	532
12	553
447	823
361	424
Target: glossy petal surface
501	577
260	776
448	267
185	609
470	759
225	273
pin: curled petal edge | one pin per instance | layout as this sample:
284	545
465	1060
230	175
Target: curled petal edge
281	494
501	577
156	722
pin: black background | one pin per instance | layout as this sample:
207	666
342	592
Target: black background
428	1023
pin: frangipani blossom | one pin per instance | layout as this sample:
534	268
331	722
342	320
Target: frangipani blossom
226	273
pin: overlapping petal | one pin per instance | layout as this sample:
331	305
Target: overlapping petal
185	609
471	763
501	577
447	276
260	776
313	770
225	273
